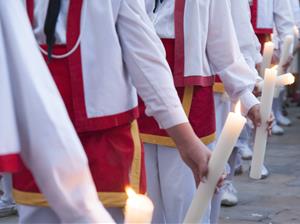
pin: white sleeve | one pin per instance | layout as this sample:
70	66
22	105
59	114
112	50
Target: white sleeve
225	56
146	64
247	39
50	147
283	19
9	138
296	11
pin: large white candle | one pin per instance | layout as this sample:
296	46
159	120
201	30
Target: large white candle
296	34
282	80
286	51
296	39
230	133
267	57
138	209
261	132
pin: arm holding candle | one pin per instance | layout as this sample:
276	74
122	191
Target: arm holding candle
230	133
194	153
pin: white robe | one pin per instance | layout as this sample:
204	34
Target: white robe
37	124
210	44
247	39
117	62
283	23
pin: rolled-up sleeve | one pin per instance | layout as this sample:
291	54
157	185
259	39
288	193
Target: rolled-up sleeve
145	62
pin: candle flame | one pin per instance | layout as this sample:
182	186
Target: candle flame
275	67
237	108
130	192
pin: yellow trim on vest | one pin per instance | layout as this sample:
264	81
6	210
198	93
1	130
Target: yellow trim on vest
108	199
187	99
219	87
167	141
137	158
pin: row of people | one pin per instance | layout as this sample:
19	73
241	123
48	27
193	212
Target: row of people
121	56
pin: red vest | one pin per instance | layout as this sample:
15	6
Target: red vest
197	102
254	17
72	65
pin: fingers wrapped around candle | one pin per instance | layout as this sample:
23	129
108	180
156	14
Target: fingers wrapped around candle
270	124
254	115
286	65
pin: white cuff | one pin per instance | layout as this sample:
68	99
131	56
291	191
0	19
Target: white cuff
171	118
248	100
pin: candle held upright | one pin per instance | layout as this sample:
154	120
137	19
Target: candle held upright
267	57
261	135
230	133
286	51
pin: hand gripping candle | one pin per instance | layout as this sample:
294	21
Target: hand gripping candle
230	133
261	134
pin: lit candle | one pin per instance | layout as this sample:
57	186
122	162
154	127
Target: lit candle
282	80
261	135
138	209
267	57
285	52
227	140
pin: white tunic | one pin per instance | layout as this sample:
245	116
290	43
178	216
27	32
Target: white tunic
283	22
264	17
210	44
296	11
34	121
119	47
245	34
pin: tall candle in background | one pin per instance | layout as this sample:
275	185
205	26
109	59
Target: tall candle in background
286	51
139	208
267	57
261	134
227	140
282	80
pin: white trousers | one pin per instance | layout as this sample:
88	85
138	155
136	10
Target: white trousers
170	184
38	215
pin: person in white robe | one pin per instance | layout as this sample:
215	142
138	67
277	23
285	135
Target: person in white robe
34	126
116	63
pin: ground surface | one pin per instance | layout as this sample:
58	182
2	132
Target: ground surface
275	200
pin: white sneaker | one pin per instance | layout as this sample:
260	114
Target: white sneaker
277	130
7	208
264	172
282	120
246	152
229	197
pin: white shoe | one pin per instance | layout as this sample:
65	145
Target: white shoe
229	197
264	172
282	120
277	130
7	208
246	152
